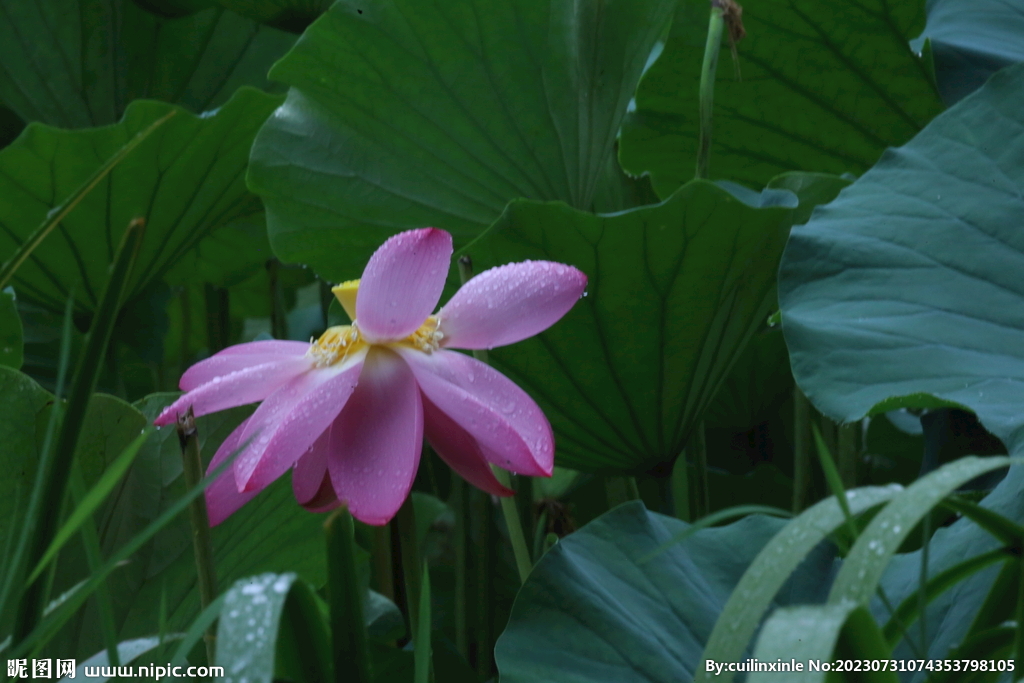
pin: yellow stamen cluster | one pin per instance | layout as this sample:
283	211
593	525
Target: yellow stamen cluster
335	345
428	337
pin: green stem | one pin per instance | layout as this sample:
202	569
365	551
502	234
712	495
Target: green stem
515	530
484	568
48	494
202	545
380	557
697	450
278	315
411	565
461	509
707	88
93	556
846	448
801	449
218	317
348	627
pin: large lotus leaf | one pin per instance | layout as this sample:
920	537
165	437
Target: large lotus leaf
675	291
908	284
80	63
970	40
826	86
23	411
409	113
186	179
601	606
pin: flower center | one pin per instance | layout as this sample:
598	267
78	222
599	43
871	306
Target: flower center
338	342
335	345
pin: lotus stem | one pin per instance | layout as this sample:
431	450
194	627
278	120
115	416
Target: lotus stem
202	545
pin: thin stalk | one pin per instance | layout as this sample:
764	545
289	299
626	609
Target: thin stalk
515	531
55	467
202	546
846	453
697	450
93	556
461	509
716	24
422	652
411	565
380	557
484	569
218	317
524	503
509	508
278	315
801	450
679	485
348	626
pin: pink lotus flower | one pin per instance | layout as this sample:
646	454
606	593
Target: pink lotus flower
348	412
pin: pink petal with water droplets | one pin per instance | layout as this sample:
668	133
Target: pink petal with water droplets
277	347
222	496
509	303
459	450
240	357
309	470
509	427
238	388
377	439
291	419
402	283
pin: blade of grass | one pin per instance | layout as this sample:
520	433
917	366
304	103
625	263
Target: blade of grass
835	482
1006	530
58	213
206	619
91	500
14	568
93	557
56	467
59	615
910	608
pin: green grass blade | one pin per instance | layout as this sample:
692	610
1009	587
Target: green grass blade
862	570
13	569
55	468
58	213
60	614
835	482
92	500
820	633
195	632
1006	530
93	556
756	590
910	608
